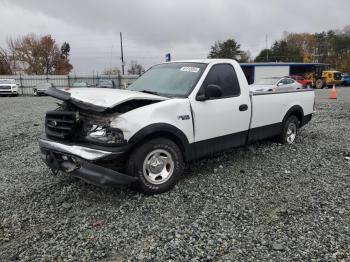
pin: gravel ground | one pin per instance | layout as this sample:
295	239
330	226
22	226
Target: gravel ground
263	202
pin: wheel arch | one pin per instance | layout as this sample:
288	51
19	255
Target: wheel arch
297	111
161	130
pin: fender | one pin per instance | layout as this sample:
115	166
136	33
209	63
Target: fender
166	130
297	111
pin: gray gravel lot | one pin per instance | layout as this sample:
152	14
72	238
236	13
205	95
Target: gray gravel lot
263	202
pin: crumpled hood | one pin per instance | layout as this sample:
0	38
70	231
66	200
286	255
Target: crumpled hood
109	98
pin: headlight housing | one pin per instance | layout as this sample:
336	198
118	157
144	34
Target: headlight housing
105	135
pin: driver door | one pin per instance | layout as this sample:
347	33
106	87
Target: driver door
222	122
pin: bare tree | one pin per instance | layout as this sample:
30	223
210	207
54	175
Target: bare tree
112	71
40	55
135	68
5	63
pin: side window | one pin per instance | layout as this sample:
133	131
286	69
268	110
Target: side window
282	82
223	75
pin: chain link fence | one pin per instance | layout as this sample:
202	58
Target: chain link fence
27	83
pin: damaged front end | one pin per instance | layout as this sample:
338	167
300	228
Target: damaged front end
80	140
83	162
84	145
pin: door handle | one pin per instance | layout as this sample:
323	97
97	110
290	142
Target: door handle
243	107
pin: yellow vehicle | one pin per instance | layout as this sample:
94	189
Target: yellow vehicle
320	74
326	78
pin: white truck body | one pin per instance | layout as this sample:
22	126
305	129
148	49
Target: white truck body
198	126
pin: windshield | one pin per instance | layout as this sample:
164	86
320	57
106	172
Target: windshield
7	81
267	81
170	79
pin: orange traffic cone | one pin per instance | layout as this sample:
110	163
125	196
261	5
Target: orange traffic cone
333	94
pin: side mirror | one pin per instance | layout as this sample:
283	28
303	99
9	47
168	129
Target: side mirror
210	91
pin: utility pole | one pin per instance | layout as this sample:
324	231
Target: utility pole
121	50
267	49
110	59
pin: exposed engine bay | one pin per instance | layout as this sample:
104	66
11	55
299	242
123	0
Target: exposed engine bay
81	121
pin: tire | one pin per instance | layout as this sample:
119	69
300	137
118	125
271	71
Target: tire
163	174
289	130
319	84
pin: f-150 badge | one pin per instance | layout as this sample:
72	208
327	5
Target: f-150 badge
184	117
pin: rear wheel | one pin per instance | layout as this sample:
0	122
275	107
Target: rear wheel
319	84
289	130
158	165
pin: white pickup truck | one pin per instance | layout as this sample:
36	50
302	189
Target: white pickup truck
174	113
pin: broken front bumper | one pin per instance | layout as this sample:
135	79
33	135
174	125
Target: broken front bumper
81	161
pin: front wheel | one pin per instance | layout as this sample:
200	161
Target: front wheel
158	165
289	130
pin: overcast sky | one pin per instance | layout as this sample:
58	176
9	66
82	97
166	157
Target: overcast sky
151	28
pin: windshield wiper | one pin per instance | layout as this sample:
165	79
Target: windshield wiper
150	92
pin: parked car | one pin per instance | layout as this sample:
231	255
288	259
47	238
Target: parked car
80	84
8	87
306	83
174	113
275	84
41	88
346	80
106	84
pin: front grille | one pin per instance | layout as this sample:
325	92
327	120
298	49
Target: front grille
62	124
5	87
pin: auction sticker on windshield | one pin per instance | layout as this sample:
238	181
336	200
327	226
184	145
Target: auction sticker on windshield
190	69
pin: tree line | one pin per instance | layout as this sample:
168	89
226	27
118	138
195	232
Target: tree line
332	47
40	55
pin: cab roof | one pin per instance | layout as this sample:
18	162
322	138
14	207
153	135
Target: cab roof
204	61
